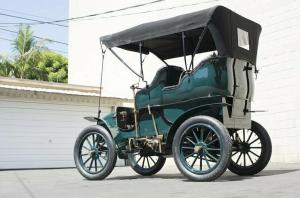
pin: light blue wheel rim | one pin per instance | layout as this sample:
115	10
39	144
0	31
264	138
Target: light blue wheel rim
200	149
93	153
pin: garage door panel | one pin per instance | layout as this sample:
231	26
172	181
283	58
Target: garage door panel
44	112
46	102
31	152
29	111
45	133
41	124
29	158
37	134
34	105
51	140
36	164
7	116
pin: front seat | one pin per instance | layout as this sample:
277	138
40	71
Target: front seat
166	76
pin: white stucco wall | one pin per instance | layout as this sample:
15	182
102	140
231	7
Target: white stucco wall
278	84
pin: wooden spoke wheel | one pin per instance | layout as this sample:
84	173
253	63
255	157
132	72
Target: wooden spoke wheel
94	153
202	148
146	165
251	150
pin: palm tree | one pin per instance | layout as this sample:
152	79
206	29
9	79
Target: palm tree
32	60
27	52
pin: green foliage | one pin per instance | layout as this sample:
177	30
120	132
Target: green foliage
24	43
6	68
32	60
53	67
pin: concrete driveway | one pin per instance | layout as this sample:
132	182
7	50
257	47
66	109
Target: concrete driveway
278	180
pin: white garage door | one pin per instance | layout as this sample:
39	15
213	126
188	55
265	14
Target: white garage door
40	133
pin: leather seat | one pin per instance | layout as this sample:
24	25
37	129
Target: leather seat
166	76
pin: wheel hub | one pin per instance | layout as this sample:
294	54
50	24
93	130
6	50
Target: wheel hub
94	152
199	147
244	147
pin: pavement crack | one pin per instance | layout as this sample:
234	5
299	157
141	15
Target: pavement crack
30	193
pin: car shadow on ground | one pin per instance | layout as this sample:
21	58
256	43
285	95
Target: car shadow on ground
233	177
224	178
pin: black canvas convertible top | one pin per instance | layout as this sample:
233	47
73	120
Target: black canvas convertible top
229	33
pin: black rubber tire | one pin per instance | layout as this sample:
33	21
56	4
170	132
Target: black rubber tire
224	137
112	157
264	158
146	171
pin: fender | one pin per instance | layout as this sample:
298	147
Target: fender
207	109
99	121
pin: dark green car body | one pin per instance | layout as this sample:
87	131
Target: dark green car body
212	89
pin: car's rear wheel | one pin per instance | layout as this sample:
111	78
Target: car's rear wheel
146	165
95	153
251	151
202	148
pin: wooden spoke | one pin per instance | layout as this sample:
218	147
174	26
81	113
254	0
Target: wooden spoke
253	141
213	149
201	134
238	158
86	148
254	154
152	160
192	165
249	136
213	141
207	161
100	163
89	142
148	162
250	158
96	165
256	147
187	147
138	160
237	137
103	157
189	155
197	140
143	162
207	137
212	157
200	162
190	140
91	164
87	160
93	137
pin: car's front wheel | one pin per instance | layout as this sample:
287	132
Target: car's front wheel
95	153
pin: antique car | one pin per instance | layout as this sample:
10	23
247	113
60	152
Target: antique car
198	113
